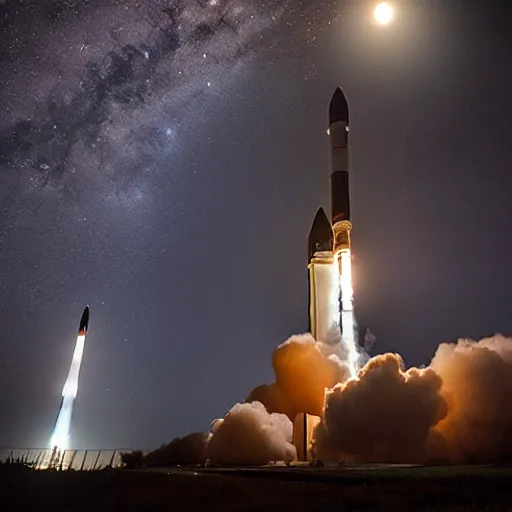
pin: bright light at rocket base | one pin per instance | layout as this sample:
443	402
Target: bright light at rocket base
343	261
60	436
334	320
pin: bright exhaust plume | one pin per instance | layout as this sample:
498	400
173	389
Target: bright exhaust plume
61	433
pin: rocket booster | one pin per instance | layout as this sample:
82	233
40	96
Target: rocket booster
323	279
340	193
320	235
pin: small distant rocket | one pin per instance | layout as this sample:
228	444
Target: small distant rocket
84	322
62	427
71	386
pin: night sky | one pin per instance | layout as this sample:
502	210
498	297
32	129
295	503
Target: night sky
162	161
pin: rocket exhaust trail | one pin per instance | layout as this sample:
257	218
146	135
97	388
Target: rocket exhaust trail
60	436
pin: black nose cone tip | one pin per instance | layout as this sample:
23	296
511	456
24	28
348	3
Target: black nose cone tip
338	109
320	236
84	322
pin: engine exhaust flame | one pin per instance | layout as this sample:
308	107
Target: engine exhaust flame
343	260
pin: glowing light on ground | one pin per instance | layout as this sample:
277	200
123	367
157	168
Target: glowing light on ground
383	13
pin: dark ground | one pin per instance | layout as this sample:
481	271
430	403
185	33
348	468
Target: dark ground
439	489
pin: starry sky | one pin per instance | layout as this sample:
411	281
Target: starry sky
162	161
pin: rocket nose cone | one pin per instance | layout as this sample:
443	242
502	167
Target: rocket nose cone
320	236
84	322
338	108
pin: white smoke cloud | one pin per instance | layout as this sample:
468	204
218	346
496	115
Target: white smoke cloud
250	436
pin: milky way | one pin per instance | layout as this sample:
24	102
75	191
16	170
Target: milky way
102	89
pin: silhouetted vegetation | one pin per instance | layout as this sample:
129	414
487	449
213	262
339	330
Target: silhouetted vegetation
14	465
133	460
187	450
181	451
11	464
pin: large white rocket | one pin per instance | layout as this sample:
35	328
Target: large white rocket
331	309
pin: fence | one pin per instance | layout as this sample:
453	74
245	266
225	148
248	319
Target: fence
78	460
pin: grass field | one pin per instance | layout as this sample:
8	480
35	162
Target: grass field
419	489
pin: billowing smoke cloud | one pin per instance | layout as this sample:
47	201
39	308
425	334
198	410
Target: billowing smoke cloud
304	369
456	410
250	436
384	415
477	386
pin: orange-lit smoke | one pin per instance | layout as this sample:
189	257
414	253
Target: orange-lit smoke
477	386
456	410
304	369
384	415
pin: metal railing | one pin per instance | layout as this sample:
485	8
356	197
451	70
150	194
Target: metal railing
78	460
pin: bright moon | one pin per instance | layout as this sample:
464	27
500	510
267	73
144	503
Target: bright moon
383	13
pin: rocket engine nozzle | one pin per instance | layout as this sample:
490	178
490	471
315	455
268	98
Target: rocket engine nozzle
342	236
